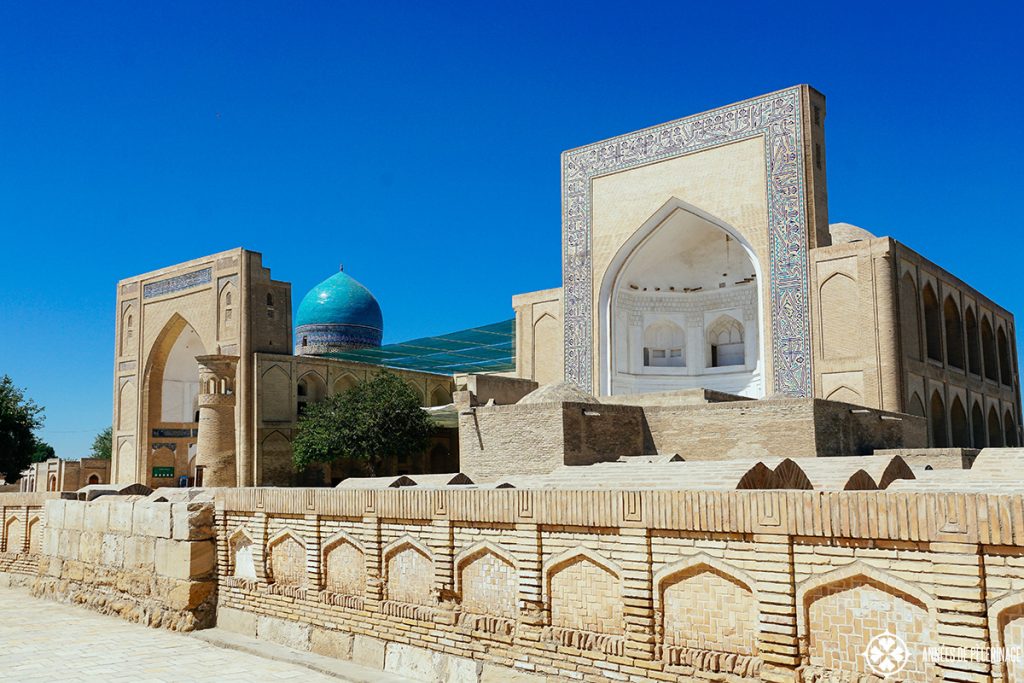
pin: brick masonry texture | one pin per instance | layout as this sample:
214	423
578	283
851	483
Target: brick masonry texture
613	585
640	585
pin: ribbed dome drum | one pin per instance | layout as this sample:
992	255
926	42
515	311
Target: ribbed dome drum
338	314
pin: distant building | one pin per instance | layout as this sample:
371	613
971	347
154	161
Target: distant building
56	474
697	255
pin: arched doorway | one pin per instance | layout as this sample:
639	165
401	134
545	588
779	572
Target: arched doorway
171	398
1009	429
681	277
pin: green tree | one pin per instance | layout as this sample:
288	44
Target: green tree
103	444
42	451
19	418
369	422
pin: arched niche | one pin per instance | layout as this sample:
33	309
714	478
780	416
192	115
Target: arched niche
995	432
128	331
1009	430
228	304
311	389
1005	364
172	374
932	323
973	342
682	269
988	350
345	382
910	318
954	333
958	425
977	426
937	421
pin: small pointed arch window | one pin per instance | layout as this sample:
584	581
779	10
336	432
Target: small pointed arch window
725	341
270	305
664	345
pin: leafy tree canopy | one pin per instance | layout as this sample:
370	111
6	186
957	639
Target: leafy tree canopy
42	451
103	444
369	422
19	418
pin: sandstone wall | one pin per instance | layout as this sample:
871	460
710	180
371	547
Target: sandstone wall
149	562
779	427
488	585
536	438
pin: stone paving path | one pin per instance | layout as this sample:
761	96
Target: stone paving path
45	641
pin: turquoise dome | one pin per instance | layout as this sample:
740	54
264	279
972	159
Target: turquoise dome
336	315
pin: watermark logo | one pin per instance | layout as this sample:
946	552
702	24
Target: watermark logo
886	654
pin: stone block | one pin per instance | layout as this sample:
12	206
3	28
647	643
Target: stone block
112	550
152	519
120	516
97	517
74	515
55	513
426	665
51	540
139	552
192	521
89	547
283	632
188	595
337	644
185	559
492	673
367	651
68	544
236	621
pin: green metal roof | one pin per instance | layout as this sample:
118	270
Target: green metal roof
491	348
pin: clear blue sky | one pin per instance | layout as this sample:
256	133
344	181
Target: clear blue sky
416	142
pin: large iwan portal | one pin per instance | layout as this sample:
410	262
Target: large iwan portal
682	309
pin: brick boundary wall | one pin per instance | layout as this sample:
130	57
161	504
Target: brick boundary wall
619	585
22	517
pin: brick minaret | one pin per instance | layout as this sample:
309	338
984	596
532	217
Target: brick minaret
216	448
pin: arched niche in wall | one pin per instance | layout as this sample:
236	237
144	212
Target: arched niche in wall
686	268
910	318
937	421
932	323
954	333
840	317
959	428
172	373
1005	363
228	314
311	389
995	432
988	350
973	341
128	331
977	426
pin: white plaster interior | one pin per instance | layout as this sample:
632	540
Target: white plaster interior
682	305
180	389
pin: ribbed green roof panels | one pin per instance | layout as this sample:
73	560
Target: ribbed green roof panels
490	348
